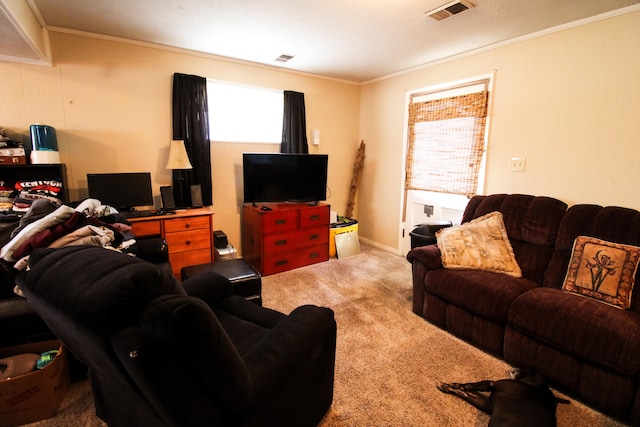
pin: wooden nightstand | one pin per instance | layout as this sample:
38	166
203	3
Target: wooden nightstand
189	235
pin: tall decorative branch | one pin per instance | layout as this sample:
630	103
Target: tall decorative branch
355	180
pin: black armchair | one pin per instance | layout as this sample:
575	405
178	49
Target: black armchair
163	354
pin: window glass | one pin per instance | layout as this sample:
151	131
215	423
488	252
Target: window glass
244	114
446	139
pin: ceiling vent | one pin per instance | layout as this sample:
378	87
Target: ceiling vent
449	9
284	58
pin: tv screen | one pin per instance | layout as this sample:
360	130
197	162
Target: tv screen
122	191
273	177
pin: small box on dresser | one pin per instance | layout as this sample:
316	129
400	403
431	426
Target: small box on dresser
286	237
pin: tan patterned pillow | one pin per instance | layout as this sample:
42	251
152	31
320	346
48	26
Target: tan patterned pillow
602	270
481	244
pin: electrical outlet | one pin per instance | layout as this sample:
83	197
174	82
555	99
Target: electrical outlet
517	164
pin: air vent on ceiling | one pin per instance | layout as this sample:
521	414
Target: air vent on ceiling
284	58
449	9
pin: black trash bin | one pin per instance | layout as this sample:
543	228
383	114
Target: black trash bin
425	234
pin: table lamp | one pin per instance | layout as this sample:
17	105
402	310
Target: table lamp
179	161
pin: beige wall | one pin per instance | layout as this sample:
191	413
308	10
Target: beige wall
569	102
110	103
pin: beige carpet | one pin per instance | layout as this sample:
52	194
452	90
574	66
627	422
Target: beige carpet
388	360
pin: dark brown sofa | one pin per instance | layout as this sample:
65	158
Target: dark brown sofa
584	347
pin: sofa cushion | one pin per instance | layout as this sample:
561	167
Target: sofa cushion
612	223
483	293
580	327
481	244
532	223
602	270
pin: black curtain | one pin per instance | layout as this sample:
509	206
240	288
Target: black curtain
294	124
191	124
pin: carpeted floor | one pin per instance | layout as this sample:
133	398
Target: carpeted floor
388	360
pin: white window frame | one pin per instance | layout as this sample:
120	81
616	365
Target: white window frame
244	114
447	206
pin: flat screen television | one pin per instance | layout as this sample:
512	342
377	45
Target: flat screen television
274	177
123	191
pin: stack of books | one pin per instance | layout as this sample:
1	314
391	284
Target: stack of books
11	151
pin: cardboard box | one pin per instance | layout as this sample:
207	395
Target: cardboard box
36	395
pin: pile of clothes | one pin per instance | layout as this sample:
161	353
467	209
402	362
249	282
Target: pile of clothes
49	225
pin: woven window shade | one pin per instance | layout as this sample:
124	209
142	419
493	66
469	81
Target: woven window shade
445	144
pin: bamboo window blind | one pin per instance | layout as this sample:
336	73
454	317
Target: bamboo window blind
446	143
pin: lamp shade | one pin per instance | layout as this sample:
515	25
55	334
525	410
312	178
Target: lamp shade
178	158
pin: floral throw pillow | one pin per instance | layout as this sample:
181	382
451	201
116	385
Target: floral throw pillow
602	270
481	244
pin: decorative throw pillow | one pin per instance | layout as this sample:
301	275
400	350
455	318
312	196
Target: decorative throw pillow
602	270
480	244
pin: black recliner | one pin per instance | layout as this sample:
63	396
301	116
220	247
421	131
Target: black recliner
20	324
163	354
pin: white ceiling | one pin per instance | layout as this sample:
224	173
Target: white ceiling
353	40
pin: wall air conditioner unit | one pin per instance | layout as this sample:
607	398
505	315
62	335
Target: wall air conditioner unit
449	9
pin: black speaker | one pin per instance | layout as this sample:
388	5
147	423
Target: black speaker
196	196
168	202
220	240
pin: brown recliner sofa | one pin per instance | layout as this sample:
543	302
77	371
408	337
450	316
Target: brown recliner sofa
586	348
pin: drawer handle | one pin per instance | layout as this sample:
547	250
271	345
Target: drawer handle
188	242
313	255
281	242
187	226
281	221
314	217
314	237
281	262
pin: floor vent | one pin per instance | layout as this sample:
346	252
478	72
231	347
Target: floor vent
449	9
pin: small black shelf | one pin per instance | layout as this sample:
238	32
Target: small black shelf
15	173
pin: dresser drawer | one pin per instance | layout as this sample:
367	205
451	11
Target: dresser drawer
146	228
185	259
314	216
188	240
279	221
295	259
314	236
184	224
276	243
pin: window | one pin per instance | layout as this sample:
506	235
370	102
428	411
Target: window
244	114
446	138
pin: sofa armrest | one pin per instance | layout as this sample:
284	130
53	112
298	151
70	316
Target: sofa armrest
429	255
423	259
303	337
209	286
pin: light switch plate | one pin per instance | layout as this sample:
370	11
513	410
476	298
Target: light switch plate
517	164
